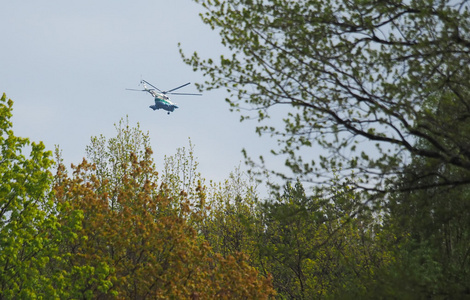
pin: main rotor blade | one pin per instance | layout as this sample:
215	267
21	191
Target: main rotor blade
176	88
152	85
185	94
136	90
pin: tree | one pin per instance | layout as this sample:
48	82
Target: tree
30	231
233	218
351	76
139	239
180	172
322	248
433	257
112	157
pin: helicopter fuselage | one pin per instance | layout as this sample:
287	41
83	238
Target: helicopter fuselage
163	102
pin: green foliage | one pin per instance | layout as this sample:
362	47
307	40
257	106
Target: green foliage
232	223
352	77
115	229
25	247
382	87
320	249
112	157
433	259
180	172
30	231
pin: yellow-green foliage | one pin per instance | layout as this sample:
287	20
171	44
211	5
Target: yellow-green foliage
30	232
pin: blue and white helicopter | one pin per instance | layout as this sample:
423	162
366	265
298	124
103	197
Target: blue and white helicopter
162	101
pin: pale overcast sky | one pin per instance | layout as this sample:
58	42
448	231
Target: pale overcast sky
66	65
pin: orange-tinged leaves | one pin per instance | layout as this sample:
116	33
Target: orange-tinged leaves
147	239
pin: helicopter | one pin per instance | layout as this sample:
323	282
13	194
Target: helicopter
162	101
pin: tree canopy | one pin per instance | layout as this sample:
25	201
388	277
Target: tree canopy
364	80
114	228
110	230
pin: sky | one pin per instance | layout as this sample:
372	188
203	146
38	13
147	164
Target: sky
67	64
